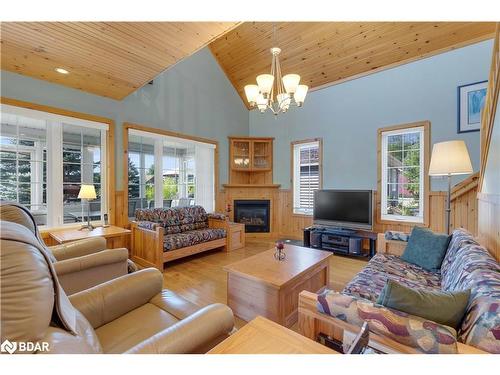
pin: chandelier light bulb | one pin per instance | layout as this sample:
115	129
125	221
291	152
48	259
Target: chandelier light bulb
265	82
261	103
284	101
300	94
252	92
291	81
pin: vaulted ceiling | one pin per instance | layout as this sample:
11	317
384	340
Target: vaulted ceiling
325	53
111	59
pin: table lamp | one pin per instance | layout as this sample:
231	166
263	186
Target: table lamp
87	192
449	159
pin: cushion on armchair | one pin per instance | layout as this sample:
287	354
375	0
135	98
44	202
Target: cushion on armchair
421	334
190	238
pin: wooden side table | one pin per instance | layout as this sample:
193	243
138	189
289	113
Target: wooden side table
116	237
262	336
235	236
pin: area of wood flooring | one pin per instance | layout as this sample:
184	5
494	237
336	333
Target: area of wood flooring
202	280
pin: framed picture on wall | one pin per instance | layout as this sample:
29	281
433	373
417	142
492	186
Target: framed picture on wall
471	99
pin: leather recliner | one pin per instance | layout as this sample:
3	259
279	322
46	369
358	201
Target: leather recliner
79	264
130	314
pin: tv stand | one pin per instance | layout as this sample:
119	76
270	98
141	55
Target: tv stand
338	230
341	241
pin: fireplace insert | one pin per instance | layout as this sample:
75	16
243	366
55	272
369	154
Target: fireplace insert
255	214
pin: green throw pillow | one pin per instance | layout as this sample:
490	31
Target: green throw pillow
426	248
446	308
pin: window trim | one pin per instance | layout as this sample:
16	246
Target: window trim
292	171
109	149
132	126
426	126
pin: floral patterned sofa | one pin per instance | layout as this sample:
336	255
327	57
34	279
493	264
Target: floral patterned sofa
160	235
467	265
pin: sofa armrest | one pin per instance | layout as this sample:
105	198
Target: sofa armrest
218	221
78	248
218	216
108	301
198	333
149	225
423	335
146	248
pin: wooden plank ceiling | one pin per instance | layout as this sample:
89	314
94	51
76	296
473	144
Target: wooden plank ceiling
110	59
325	53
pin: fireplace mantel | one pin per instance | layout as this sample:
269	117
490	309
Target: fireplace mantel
232	192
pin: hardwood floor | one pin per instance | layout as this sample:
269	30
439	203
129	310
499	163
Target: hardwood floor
201	279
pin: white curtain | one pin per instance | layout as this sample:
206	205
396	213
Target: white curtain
204	165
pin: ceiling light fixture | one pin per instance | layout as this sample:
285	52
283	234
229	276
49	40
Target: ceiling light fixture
61	70
273	91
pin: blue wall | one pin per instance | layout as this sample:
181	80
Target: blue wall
348	115
193	97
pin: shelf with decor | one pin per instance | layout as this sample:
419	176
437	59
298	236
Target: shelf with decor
250	161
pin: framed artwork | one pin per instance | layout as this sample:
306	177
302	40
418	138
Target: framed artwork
471	99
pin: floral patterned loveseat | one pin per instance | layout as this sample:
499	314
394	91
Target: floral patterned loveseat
160	235
467	265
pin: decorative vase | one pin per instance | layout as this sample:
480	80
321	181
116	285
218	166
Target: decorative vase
279	253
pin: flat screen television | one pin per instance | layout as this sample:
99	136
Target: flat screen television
351	209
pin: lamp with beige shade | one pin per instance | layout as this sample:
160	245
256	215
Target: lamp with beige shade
87	192
449	159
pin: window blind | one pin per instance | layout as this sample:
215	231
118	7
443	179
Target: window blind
306	175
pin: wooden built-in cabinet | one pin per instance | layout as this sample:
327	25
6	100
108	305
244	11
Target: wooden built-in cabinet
250	161
240	154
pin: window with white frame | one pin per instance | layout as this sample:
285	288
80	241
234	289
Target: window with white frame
306	175
45	158
402	179
166	171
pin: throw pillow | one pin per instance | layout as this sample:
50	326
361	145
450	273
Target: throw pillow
447	308
426	248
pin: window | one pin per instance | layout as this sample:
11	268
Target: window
403	179
166	171
141	171
44	159
23	167
306	174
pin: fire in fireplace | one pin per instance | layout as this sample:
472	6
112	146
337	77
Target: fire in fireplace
254	214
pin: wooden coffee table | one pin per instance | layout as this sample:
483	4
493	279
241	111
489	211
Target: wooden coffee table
262	285
261	336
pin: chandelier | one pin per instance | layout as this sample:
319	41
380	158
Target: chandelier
275	92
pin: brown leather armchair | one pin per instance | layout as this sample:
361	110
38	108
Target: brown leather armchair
130	314
80	264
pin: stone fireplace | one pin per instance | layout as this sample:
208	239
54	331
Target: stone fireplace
255	214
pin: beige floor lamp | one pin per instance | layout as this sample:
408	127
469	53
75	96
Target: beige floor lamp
449	159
